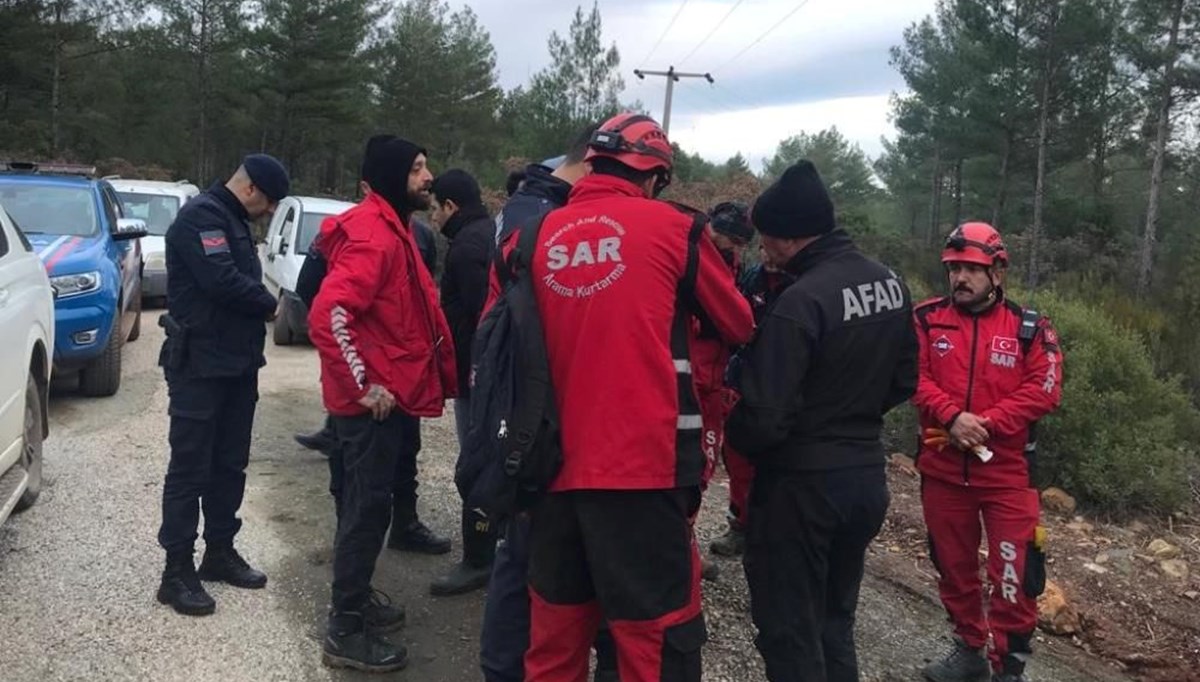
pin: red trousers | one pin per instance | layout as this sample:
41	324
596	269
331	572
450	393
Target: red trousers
625	557
1015	566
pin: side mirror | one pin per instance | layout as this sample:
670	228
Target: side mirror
130	228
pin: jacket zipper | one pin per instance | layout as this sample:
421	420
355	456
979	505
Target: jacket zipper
970	386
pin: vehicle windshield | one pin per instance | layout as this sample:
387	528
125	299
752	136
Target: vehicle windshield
51	209
158	210
310	225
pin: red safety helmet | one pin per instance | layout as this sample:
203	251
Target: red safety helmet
636	141
977	243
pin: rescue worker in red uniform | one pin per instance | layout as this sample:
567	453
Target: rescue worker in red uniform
613	538
386	356
989	370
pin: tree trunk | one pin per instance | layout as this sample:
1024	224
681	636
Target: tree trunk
1002	192
935	201
1150	237
202	66
56	82
1039	195
958	192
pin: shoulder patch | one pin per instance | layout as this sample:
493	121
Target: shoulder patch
214	242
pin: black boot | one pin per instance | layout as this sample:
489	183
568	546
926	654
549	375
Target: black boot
222	563
181	588
1012	669
322	441
418	538
732	543
962	664
349	644
709	570
479	548
380	615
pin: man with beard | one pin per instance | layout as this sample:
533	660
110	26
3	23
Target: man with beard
459	212
833	355
216	306
989	371
386	354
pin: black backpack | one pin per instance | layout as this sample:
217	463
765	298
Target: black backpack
512	450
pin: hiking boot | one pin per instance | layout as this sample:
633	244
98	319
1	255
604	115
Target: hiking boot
1012	669
380	615
322	441
417	538
222	563
349	644
732	543
461	579
963	664
709	570
181	588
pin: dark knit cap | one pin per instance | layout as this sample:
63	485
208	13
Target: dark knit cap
796	206
268	175
386	164
458	186
732	219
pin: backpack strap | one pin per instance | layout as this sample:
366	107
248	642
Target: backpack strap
1028	328
519	259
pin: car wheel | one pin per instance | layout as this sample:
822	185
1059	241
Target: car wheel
137	319
282	333
103	376
31	450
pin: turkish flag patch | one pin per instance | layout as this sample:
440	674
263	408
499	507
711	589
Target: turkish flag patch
1005	345
214	242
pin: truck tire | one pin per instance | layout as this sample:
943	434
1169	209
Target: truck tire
136	331
102	377
31	449
282	333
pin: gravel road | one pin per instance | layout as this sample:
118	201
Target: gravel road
79	570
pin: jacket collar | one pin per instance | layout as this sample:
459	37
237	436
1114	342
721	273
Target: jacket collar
222	194
462	218
596	186
389	215
540	182
827	246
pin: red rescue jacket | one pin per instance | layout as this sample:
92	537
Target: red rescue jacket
376	319
606	273
980	364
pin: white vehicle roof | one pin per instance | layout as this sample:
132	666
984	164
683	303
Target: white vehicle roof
182	189
323	205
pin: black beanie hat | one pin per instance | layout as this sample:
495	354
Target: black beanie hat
268	175
458	186
732	219
386	164
796	206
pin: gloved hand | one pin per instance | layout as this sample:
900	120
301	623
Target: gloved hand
938	439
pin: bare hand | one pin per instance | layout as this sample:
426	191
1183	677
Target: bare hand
968	431
379	401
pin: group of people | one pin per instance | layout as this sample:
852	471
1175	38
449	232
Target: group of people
665	355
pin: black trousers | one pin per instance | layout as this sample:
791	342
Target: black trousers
404	483
211	420
362	487
805	548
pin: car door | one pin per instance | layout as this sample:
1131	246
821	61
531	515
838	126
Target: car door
285	256
16	315
285	216
128	255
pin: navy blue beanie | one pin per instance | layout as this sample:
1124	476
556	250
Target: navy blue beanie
268	175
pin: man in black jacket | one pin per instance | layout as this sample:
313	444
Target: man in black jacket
459	211
216	309
834	354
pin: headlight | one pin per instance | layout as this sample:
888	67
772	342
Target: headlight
73	285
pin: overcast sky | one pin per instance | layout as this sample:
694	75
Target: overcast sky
825	65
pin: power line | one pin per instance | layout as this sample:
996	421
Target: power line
711	33
766	33
664	33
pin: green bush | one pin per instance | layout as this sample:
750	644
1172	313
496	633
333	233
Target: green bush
1123	439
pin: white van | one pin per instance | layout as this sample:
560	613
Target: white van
156	203
296	223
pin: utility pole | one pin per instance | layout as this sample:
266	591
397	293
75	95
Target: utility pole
671	75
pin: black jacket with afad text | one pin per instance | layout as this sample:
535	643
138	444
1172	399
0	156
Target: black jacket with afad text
215	295
834	354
